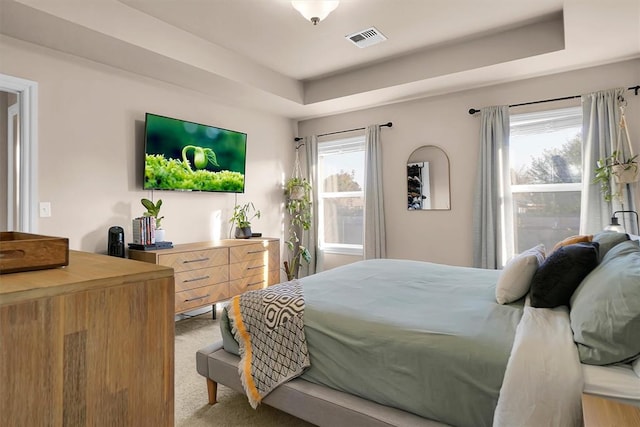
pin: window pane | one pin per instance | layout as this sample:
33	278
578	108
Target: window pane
545	218
341	200
548	158
343	221
342	172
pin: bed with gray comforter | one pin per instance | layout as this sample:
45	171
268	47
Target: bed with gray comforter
424	338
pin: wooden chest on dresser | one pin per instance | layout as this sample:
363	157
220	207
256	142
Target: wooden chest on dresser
208	272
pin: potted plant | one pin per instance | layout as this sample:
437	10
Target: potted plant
242	216
296	188
153	210
622	170
298	194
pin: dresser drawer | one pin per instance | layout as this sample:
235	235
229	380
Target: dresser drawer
249	283
194	298
201	277
183	261
258	250
247	268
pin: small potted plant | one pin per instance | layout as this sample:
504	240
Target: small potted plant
242	216
622	170
153	210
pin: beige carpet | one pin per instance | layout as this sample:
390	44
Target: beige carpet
232	409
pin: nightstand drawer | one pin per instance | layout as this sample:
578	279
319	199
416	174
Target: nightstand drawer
194	298
248	268
253	251
201	277
599	412
183	261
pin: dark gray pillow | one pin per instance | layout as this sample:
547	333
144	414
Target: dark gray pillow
607	240
561	273
605	309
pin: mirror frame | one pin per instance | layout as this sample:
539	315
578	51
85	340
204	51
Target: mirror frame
27	92
448	208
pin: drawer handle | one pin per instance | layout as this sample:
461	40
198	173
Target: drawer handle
195	260
195	279
256	267
256	252
197	298
255	283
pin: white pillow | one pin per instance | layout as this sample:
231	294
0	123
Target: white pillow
516	276
636	366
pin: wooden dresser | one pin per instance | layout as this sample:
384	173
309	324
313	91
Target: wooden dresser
90	344
208	272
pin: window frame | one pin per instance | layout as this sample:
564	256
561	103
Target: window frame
537	188
338	145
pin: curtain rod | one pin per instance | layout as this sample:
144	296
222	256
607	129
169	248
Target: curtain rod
388	125
633	88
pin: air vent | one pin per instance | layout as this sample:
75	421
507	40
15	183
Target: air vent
366	38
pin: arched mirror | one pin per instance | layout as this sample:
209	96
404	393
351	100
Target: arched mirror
428	179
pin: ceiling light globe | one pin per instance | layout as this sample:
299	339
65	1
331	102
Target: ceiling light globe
315	10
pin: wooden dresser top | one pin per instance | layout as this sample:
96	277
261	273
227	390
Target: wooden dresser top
85	271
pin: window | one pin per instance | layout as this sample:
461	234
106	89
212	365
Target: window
341	195
545	158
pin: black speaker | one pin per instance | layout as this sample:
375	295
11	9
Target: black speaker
115	246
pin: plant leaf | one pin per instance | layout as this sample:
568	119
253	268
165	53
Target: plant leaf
211	157
306	255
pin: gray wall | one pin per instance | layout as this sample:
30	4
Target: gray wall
90	150
445	236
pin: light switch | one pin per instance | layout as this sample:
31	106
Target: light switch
45	209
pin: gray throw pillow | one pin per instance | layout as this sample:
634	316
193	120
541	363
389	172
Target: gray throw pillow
607	240
605	309
561	273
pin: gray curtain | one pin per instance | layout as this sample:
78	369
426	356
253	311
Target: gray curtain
600	117
375	245
493	219
310	237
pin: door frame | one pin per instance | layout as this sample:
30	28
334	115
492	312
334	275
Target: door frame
27	92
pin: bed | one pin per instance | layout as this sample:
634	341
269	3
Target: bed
398	342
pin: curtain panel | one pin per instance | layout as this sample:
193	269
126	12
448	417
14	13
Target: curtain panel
375	245
601	116
493	218
310	237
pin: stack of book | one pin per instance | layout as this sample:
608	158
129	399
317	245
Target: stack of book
144	230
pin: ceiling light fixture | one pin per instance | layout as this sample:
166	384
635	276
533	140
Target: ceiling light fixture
315	10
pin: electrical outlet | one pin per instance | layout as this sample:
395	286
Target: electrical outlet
45	209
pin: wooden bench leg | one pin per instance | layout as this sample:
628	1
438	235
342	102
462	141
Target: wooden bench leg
212	389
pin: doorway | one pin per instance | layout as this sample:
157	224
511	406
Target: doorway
18	147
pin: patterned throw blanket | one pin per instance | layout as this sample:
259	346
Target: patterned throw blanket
268	325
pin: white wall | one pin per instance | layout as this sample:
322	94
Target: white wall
90	148
445	236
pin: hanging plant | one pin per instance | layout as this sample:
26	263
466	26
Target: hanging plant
299	207
617	168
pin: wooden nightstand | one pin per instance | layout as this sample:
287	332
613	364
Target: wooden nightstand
602	412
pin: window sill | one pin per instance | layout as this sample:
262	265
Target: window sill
354	250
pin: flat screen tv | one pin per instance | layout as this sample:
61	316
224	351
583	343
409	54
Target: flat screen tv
187	156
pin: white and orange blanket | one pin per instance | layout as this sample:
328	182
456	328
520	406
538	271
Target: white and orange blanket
268	325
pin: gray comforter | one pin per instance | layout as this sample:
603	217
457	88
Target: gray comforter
425	338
